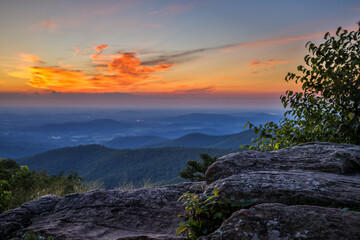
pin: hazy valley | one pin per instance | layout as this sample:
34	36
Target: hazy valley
119	146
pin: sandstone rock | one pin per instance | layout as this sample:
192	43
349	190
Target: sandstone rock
291	187
150	213
315	156
280	222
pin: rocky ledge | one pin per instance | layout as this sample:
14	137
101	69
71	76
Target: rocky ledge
311	191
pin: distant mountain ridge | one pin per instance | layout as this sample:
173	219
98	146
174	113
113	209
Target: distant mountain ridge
230	141
202	118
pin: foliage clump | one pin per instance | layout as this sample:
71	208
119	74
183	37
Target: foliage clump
19	185
204	214
328	108
195	170
36	236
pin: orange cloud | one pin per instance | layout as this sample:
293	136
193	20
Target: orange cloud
122	72
258	63
61	80
29	58
100	48
57	79
127	65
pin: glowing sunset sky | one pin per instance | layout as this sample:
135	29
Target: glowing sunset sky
159	53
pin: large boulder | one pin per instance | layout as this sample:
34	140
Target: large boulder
315	173
290	187
274	221
149	213
314	156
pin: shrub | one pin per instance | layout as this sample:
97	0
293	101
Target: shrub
205	214
195	170
19	185
328	108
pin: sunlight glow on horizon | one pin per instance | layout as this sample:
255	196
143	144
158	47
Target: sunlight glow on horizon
169	49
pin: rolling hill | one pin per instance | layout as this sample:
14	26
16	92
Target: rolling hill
231	141
115	166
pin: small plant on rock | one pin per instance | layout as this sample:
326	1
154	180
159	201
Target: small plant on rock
36	236
204	214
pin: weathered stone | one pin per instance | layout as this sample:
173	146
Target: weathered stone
15	219
274	221
313	174
315	156
150	213
291	187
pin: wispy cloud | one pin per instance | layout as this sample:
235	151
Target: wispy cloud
81	51
258	63
29	58
183	56
266	65
187	90
101	47
75	49
176	58
48	24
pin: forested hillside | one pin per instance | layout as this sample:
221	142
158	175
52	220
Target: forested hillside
116	167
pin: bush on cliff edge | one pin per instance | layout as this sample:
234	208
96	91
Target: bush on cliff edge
328	108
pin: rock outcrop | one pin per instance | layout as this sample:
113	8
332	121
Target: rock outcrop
149	213
274	221
314	156
291	187
311	191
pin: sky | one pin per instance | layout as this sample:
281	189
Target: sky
159	53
